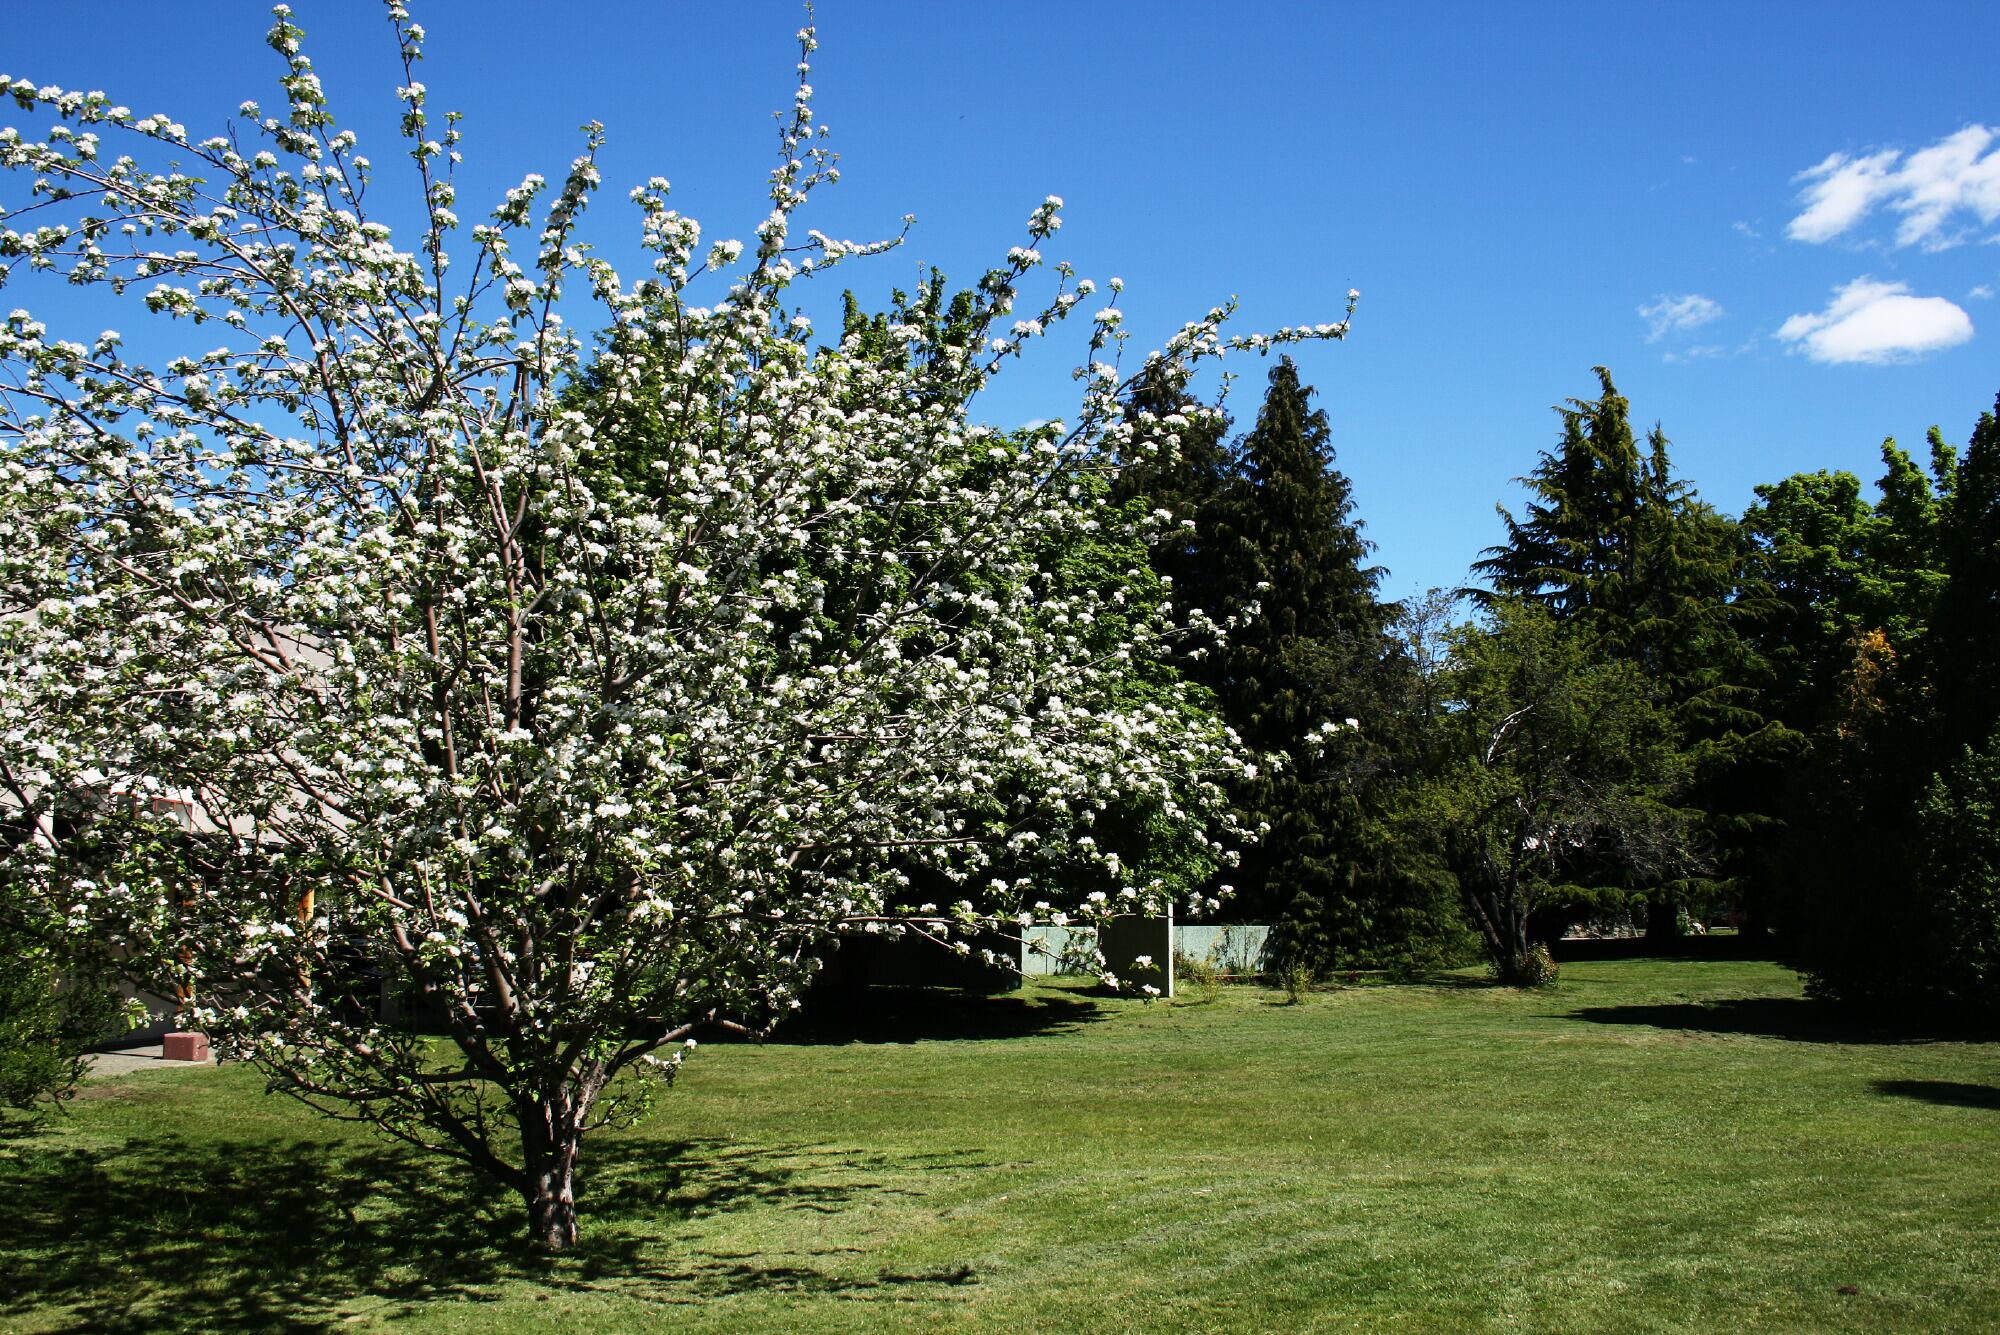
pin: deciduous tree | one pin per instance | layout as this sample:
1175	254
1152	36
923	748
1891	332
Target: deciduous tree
1556	762
350	639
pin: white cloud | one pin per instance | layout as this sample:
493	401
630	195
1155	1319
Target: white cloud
1876	323
1948	176
1929	188
1840	193
1748	230
1690	310
1980	293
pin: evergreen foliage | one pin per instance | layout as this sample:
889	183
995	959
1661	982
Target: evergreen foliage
1264	540
1812	542
1330	873
1958	857
1576	550
1963	651
1850	587
1893	861
1298	556
1833	564
1618	549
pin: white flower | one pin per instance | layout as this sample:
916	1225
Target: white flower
556	727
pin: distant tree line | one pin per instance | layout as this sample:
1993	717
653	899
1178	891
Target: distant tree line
1655	715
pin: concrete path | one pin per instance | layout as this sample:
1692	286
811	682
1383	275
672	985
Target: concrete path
143	1058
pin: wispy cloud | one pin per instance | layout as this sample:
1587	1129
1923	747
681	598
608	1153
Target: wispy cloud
1668	315
1980	293
1747	230
1960	173
1699	352
1876	323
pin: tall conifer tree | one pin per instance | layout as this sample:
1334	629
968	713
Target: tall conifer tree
1576	548
1187	481
1317	650
1301	559
1626	554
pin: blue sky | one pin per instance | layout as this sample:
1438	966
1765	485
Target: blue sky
1775	223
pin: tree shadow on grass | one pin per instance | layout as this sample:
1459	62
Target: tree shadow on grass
1455	980
933	1014
1795	1019
1953	1093
173	1234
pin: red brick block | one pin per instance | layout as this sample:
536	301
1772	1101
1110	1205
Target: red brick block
185	1047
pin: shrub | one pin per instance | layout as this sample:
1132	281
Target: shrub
49	1018
1538	969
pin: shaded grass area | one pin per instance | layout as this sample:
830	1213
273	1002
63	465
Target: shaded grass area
177	1234
1653	1145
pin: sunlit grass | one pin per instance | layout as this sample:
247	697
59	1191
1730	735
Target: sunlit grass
1650	1145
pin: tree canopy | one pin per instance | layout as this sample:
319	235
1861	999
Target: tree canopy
582	705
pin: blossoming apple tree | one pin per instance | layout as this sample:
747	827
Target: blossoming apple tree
347	641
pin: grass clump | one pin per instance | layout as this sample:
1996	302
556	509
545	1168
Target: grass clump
1197	980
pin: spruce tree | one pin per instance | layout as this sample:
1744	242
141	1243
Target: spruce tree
1317	650
1183	480
1621	551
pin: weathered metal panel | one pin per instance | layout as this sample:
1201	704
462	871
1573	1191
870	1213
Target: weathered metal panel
1235	949
1241	948
1043	949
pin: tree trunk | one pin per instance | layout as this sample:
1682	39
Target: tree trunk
551	1199
550	1144
1663	918
1515	964
1503	920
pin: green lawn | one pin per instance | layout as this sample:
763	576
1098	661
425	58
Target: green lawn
1651	1145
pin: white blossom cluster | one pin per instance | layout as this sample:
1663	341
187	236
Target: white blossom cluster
372	633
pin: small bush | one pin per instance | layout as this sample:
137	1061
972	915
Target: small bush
1297	978
1540	970
49	1018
